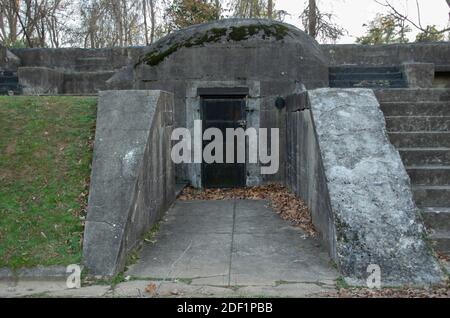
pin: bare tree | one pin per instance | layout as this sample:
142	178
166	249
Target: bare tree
270	9
312	18
9	10
256	9
320	25
144	11
416	24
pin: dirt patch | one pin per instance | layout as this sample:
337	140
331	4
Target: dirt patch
11	148
283	201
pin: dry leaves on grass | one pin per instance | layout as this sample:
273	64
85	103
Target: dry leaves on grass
443	257
284	202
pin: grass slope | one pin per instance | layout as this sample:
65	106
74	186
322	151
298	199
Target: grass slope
45	158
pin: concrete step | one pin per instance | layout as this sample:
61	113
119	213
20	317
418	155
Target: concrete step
413	95
437	219
441	242
9	79
366	76
418	123
8	73
438	196
5	88
420	139
425	156
429	175
416	109
385	83
364	69
92	64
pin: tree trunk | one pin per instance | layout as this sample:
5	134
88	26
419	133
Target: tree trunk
144	6
312	28
152	20
218	8
270	10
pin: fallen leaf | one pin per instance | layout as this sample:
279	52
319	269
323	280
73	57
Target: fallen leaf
151	289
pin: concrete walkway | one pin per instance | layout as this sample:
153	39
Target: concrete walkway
234	243
213	249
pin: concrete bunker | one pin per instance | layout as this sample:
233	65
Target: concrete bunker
267	59
249	65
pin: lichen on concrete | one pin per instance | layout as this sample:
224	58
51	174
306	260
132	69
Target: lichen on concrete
375	218
226	33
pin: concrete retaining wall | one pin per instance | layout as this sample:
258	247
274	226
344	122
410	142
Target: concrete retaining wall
71	70
132	182
79	60
40	81
305	174
357	187
392	54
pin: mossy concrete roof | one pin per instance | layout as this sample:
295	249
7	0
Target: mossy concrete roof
229	32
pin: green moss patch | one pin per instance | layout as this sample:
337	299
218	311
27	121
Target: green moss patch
236	34
45	158
277	31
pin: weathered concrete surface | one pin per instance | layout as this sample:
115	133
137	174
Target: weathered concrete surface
86	82
8	60
77	59
233	243
375	218
419	75
178	288
132	180
305	174
162	289
391	54
38	273
40	80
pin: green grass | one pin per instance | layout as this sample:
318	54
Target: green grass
45	158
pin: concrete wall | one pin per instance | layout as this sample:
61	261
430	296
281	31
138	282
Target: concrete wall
40	81
357	188
133	181
392	54
305	174
78	60
79	71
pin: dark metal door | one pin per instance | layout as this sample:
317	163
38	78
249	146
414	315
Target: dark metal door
223	113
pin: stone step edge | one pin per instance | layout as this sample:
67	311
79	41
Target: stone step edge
435	210
416	117
429	187
420	132
428	167
423	149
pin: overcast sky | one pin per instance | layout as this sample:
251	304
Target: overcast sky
352	14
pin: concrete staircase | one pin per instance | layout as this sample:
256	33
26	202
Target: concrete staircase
418	121
93	64
347	76
9	83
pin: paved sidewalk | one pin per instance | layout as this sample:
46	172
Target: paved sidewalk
232	243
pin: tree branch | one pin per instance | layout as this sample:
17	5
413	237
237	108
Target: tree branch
395	12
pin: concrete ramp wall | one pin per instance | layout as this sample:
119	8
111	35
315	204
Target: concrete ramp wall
132	181
343	165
